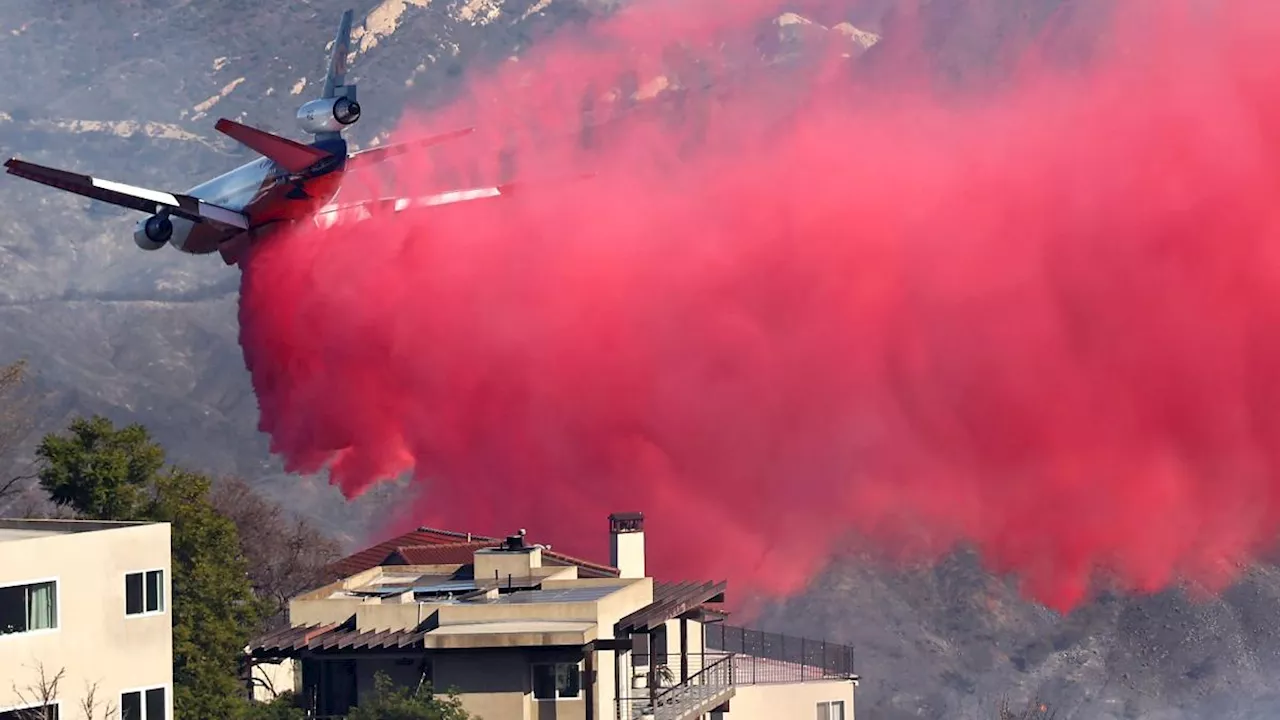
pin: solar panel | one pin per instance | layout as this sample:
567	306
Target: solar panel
567	595
452	586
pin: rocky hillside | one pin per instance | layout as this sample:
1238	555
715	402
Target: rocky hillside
130	89
949	641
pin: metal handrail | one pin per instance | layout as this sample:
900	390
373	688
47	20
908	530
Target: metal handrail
696	678
774	657
711	680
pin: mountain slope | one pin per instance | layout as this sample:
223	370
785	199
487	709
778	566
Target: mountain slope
152	337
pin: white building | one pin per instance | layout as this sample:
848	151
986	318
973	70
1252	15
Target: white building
84	619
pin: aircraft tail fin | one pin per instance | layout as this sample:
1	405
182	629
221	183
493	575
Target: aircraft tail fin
336	79
288	154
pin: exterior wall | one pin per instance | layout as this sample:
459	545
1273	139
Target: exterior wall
794	701
405	672
492	684
498	564
94	642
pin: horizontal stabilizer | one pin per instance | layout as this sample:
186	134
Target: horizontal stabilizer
129	196
378	154
291	155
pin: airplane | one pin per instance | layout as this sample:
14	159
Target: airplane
292	182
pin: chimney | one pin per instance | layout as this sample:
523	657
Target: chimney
513	559
626	543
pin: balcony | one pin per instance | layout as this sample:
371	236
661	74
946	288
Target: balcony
767	658
688	685
709	685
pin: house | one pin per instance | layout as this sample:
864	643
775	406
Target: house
84	614
525	633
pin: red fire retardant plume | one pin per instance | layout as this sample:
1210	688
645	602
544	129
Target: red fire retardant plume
1044	321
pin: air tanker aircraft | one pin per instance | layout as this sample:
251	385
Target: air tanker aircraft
291	182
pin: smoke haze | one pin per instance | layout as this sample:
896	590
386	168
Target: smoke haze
798	308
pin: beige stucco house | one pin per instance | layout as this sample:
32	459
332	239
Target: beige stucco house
84	610
523	633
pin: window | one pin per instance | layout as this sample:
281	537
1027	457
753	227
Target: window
144	593
556	681
37	712
833	710
640	649
149	704
28	608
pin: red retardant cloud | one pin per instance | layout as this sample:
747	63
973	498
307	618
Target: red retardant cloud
1044	322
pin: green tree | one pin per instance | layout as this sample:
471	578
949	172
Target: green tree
388	702
100	472
214	608
110	473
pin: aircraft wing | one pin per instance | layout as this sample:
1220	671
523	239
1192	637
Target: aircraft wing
332	214
136	198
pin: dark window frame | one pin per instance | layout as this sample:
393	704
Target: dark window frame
572	679
23	593
146	698
144	593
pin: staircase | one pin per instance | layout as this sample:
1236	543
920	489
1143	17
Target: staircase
700	694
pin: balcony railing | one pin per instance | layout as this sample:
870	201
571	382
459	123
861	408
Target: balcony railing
668	698
764	657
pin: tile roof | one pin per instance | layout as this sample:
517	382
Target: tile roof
373	556
592	570
454	554
431	546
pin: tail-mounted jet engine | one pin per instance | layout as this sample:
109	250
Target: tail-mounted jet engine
328	114
153	233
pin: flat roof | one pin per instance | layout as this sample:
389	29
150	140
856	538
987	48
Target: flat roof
12	529
7	534
560	595
437	587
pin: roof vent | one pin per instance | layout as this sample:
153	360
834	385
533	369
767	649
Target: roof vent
515	542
